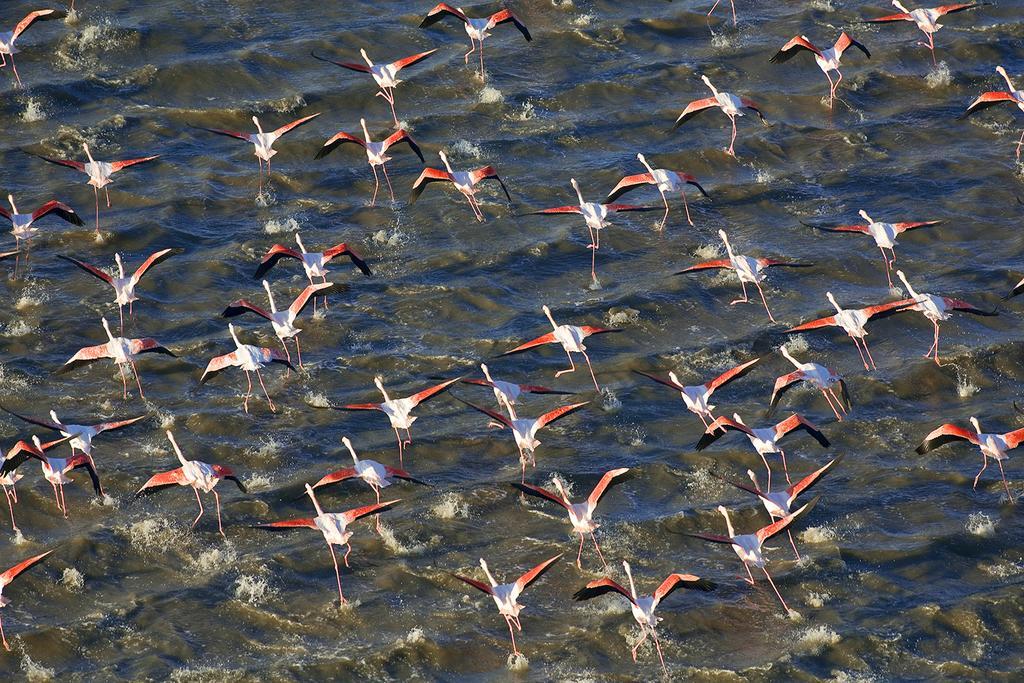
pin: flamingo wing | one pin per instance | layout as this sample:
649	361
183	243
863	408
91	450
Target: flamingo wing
524	581
505	15
714	538
793	48
609	478
717	430
83	461
1014	438
619	208
488	172
766	532
814	324
554	210
479	585
399	473
17	569
412	59
783	384
118	424
248	137
154	258
600	587
402	136
945	434
1017	289
345	250
148	345
439	12
752	106
227	474
87	354
344	65
845	42
33	17
175	477
961	305
219	363
288	127
707	265
304	522
356	513
59	209
429	175
883	310
811	479
630	182
77	165
795	422
558	413
275	254
32	420
125	163
488	412
862	229
548	338
337	139
694	108
730	375
960	7
335	477
302	300
986	100
660	380
903	227
741	486
901	16
773	262
236	308
676	581
430	392
359	406
92	270
590	330
541	493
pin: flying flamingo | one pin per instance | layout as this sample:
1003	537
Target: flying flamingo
374	474
124	287
399	410
748	547
263	142
22	223
386	75
697	398
819	377
524	430
464	181
926	19
992	98
7	48
55	470
9	475
581	515
747	269
199	475
643	607
995	446
334	527
570	337
376	152
765	440
283	321
6	579
506	595
120	350
780	503
476	28
664	180
99	173
731	105
250	359
827	59
853	320
507	393
937	308
313	262
595	215
884	235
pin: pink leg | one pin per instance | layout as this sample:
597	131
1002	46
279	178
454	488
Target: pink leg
120	314
733	6
572	366
598	548
886	260
391	191
839	402
260	162
348	551
664	218
376	185
400	448
1006	486
287	353
764	301
376	491
591	368
124	382
657	646
106	191
10	506
750	576
298	351
63	503
639	642
481	60
472	49
984	465
326	307
768	469
15	68
1019	143
138	382
784	605
2	636
259	376
200	501
862	359
868	352
732	142
831	91
795	551
686	206
784	467
337	574
745	298
512	633
248	391
220	526
56	497
96	193
579	555
709	14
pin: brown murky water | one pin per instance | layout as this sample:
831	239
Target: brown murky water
907	572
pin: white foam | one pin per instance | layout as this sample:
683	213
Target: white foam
450	506
72	579
980	524
489	95
275	226
35	672
215	559
467	149
517	662
817	638
252	589
939	76
33	111
818	534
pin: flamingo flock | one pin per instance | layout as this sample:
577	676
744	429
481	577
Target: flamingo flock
512	399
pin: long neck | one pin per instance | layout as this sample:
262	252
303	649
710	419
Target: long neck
728	522
547	312
258	126
120	265
864	214
348	444
629	575
444	159
106	326
561	491
177	451
298	241
707	82
10	200
787	356
899	6
312	497
579	195
753	479
362	53
976	425
366	133
643	160
381	389
725	240
483	565
832	300
88	154
906	284
1006	77
270	297
231	329
486	371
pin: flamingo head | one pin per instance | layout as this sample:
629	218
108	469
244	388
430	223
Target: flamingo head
53	416
366	133
483	565
120	265
348	444
37	443
257	122
736	416
864	214
832	300
707	81
366	58
561	489
378	382
10	200
486	371
174	445
88	154
976	424
675	378
753	478
106	326
898	5
785	353
231	329
903	278
575	185
629	575
298	241
724	237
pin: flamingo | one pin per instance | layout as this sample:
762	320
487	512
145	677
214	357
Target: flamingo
697	398
780	503
507	393
199	475
643	607
283	321
748	547
937	308
747	269
581	515
995	446
334	527
99	173
570	337
477	27
22	223
765	440
992	98
385	75
55	470
250	359
124	287
524	430
853	320
595	215
664	180
9	475
399	410
827	59
7	48
374	474
884	235
314	263
506	595
731	105
5	580
120	350
376	152
819	377
464	181
262	142
926	19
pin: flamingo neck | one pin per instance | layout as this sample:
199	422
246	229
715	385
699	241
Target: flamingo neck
551	319
312	497
10	200
177	451
643	160
120	265
629	575
728	522
270	297
444	160
366	133
483	565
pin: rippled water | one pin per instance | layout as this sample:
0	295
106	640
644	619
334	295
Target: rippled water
907	571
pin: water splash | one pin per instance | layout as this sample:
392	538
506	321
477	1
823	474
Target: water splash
72	579
939	76
254	590
450	506
275	226
980	524
33	111
489	95
35	672
517	662
467	149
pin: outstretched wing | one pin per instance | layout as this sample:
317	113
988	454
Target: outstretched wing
676	581
84	461
109	426
986	100
812	478
344	65
429	175
505	15
304	522
412	59
402	136
219	363
607	480
288	127
236	308
950	9
125	163
548	338
439	12
541	493
486	411
85	355
600	587
248	137
13	572
630	182
707	265
175	477
945	434
77	165
355	513
558	413
32	420
524	581
793	48
153	259
717	430
336	476
764	533
783	384
660	380
275	254
903	227
814	324
479	585
33	17
148	345
92	270
694	108
488	172
339	138
302	299
430	392
845	42
344	250
730	375
795	422
902	16
59	209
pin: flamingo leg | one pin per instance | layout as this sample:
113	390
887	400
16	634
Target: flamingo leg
732	141
259	376
764	301
639	642
797	552
868	352
572	366
579	555
298	351
287	353
984	465
348	551
106	191
768	469
337	574
597	547
664	218
400	447
391	191
481	59
886	260
220	526
836	86
784	605
56	497
841	406
1006	486
376	185
784	468
120	314
201	511
2	636
931	46
657	646
326	307
745	298
825	393
15	68
686	207
472	49
376	491
862	359
138	382
515	650
248	392
709	14
96	193
591	368
10	506
124	382
1019	143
